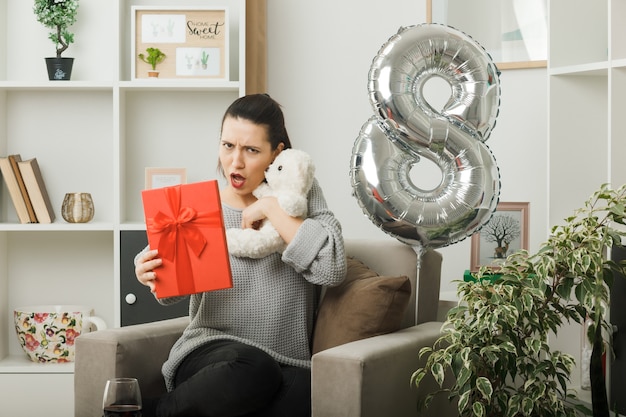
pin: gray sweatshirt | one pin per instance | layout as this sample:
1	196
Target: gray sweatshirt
273	300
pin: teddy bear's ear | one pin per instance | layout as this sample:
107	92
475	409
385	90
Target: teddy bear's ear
307	171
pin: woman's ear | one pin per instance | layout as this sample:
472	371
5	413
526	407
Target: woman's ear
279	149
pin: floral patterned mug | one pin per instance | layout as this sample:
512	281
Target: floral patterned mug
47	332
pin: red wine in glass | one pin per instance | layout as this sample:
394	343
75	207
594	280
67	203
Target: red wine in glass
122	398
122	411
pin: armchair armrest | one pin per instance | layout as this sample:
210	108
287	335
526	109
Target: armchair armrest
371	377
137	351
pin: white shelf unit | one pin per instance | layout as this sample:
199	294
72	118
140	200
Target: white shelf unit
586	81
96	133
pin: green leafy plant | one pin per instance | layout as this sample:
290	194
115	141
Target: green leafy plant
495	342
58	15
155	56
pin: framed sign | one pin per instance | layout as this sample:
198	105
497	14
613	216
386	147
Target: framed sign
505	233
165	177
194	41
515	33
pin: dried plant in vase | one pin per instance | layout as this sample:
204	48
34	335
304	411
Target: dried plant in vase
495	342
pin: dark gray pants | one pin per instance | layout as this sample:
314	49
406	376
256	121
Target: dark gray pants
225	378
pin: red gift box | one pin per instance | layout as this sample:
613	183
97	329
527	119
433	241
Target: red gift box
185	223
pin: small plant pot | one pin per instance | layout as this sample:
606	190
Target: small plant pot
59	69
153	74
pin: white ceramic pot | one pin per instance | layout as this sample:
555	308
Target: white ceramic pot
47	332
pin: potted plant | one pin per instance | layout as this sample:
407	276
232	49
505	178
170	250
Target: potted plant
495	342
154	57
58	15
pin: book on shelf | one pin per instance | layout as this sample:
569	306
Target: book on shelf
36	189
15	159
13	186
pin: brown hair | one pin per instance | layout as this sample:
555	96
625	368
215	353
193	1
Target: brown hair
261	109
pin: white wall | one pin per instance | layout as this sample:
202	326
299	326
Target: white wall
319	55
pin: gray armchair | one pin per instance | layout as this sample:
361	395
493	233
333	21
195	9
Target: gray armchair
367	378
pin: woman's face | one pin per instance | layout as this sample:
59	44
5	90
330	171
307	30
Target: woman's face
245	153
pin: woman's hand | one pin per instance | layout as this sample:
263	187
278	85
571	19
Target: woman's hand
255	213
144	268
268	208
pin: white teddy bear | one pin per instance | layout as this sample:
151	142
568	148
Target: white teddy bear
289	178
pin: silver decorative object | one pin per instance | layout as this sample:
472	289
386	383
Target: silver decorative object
406	128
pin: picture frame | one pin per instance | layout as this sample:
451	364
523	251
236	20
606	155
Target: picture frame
165	177
517	36
195	41
506	232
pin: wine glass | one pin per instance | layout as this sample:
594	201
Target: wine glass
122	398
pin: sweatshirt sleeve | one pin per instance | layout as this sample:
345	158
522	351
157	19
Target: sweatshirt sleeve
317	250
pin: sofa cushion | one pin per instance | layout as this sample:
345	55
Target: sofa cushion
364	305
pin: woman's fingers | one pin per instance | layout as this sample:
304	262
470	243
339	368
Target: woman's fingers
145	268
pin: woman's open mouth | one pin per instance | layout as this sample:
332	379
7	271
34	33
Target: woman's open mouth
237	181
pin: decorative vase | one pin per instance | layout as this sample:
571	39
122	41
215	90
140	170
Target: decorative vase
59	69
77	208
47	332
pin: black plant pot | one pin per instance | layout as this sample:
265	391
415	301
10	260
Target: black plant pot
59	69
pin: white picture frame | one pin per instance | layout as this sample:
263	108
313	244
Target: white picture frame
165	177
491	243
515	34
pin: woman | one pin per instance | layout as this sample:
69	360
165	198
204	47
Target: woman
246	349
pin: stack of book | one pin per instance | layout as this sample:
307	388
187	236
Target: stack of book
27	189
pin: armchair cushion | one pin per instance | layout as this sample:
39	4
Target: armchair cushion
364	305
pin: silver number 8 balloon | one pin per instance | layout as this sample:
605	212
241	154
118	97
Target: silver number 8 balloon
407	128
